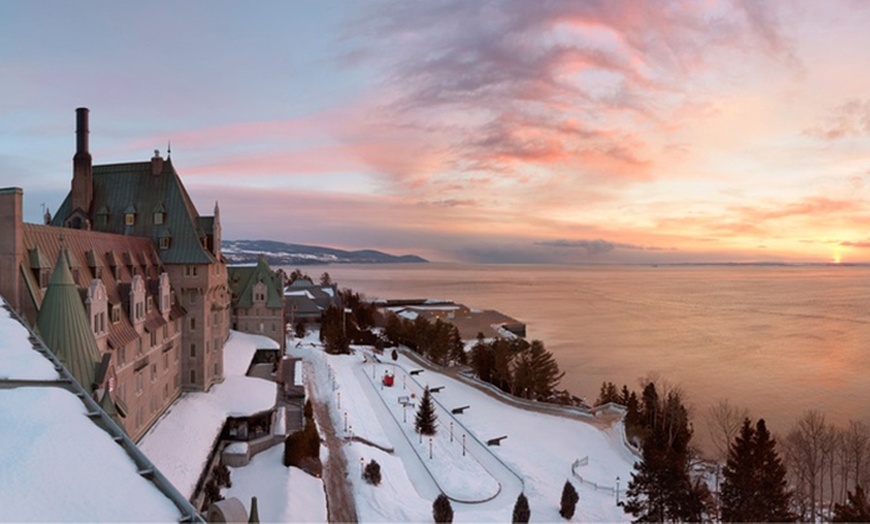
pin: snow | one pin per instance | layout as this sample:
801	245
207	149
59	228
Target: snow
57	465
237	448
55	462
18	359
303	293
283	494
180	442
536	457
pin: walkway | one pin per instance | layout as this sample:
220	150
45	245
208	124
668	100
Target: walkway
510	485
339	494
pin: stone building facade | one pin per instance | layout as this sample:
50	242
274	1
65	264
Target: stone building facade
148	269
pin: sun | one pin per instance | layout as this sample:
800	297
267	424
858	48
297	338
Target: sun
838	257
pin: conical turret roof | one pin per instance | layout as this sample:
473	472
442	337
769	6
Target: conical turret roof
64	327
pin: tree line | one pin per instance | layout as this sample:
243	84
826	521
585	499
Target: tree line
815	473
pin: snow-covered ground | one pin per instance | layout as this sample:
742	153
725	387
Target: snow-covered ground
536	457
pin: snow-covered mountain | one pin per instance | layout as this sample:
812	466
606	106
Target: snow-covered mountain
284	254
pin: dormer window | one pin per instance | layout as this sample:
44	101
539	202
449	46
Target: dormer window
159	214
103	217
130	215
164	239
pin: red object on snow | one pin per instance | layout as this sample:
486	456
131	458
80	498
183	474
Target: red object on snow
388	380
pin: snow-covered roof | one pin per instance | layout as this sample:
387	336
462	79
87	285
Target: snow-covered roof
180	442
61	459
302	293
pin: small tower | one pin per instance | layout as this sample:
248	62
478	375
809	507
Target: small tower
82	193
64	326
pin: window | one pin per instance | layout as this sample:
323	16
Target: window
129	219
153	339
149	304
138	383
122	355
163	242
193	376
116	314
190	271
193	350
165	391
215	368
153	372
166	331
139	346
158	218
165	361
192	323
207	346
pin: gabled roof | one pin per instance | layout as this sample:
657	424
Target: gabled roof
65	328
119	188
242	280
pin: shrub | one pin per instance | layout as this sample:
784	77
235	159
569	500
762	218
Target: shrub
394	355
522	514
442	511
222	476
569	501
302	444
372	473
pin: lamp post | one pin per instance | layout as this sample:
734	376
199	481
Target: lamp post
361	467
617	490
345	421
451	431
463	444
430	447
339	400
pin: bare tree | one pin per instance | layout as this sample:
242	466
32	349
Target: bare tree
723	424
807	451
856	442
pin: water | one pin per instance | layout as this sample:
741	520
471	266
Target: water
776	340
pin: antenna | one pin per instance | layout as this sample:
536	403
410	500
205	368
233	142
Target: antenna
168	149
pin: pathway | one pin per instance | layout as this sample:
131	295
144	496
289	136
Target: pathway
340	505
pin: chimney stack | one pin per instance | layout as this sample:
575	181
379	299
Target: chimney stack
82	183
82	131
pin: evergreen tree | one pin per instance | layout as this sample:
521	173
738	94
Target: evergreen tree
442	511
426	417
394	355
856	508
738	484
660	488
333	331
482	360
608	393
456	350
545	371
568	504
299	329
774	504
522	513
754	488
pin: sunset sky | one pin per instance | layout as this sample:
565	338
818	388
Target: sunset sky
469	131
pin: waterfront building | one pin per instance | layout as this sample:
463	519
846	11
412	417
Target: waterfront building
257	304
148	270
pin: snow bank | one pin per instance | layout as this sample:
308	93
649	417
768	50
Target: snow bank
18	359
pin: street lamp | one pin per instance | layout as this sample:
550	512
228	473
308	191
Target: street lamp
430	447
451	431
345	421
360	467
617	490
463	444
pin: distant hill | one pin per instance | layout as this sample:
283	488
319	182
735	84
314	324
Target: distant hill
284	254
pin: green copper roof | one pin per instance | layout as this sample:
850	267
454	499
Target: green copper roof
119	188
64	326
242	280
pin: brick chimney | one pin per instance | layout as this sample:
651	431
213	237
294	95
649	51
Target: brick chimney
156	164
83	179
11	244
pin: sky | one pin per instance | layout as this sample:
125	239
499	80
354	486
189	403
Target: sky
494	132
